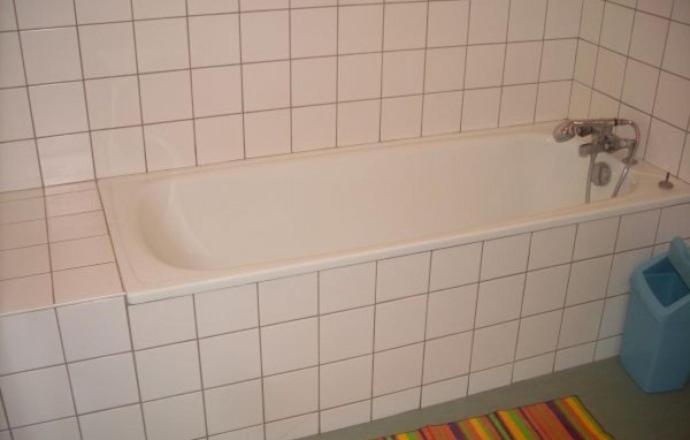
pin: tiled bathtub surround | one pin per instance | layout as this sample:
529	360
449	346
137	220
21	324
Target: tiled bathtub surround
633	61
290	357
133	86
54	248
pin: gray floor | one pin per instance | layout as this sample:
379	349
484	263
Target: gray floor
605	388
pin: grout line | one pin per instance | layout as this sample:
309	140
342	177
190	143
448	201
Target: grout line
426	322
383	66
261	360
289	17
502	84
135	366
474	321
140	101
4	414
191	86
541	61
424	69
464	70
68	373
522	302
201	373
373	343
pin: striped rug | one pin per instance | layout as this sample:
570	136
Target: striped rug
560	419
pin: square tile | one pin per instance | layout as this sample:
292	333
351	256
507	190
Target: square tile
499	300
15	122
113	102
551	247
444	391
448	23
545	289
441	113
175	418
19	166
672	223
518	104
494	345
265	36
313	32
108	10
484	65
162	44
580	324
623	265
58	108
398	369
401	118
293	428
267	133
396	403
359	76
162	322
158	8
114	424
313	81
253	433
118	152
266	85
81	252
613	318
639	87
13	295
585	63
169	145
617	27
662	7
563	18
234	406
588	280
230	358
7	22
346	334
259	5
610	70
505	256
451	311
289	298
533	367
37	395
65	159
51	55
558	60
403	72
345	382
592	17
166	96
445	69
20	262
522	62
664	146
214	40
596	238
538	334
480	109
405	26
400	322
24	234
344	416
648	38
526	21
291	393
219	139
86	283
672	97
552	101
107	49
346	287
574	356
302	338
447	357
489	21
29	340
217	90
157	379
313	127
94	328
63	429
39	14
360	28
607	348
402	276
358	122
226	310
104	382
489	379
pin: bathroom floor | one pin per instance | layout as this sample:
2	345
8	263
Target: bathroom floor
605	388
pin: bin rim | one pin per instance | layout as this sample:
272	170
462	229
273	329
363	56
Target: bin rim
640	286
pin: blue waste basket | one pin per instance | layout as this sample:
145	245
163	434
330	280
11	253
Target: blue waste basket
656	337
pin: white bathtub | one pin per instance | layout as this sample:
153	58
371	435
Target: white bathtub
188	231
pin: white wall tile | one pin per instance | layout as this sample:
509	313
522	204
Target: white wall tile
51	55
293	428
518	104
157	379
672	99
259	5
505	256
613	318
447	357
158	8
358	122
232	407
448	23
107	49
265	36
29	340
226	310
533	367
266	85
494	345
398	369
169	145
359	76
451	311
637	230
551	247
485	65
20	262
302	338
314	80
162	322
166	96
596	238
681	11
230	358
538	334
347	287
522	62
252	433
7	17
617	27
488	21
563	18
444	391
37	395
162	44
489	379
402	276
313	32
401	117
574	356
396	403
94	328
552	101
214	40
659	7
58	108
217	90
113	102
585	63
580	324
15	119
639	87
219	139
104	382
623	265
360	28
345	382
455	266
648	38
499	300
664	145
267	133
400	322
403	72
588	280
445	69
40	14
673	222
288	298
290	394
64	429
313	127
114	424
405	26
346	334
19	166
527	19
441	113
607	348
17	235
558	60
610	70
108	10
343	416
175	418
119	151
65	159
480	109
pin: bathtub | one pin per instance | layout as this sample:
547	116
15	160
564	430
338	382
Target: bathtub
182	232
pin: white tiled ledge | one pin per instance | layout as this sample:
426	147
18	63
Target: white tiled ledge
54	248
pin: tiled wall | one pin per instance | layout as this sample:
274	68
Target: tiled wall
633	59
127	86
291	357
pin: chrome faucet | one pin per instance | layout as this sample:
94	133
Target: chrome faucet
603	140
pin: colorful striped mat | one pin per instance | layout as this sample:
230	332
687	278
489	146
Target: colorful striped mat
560	419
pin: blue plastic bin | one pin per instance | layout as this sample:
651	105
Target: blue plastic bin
656	338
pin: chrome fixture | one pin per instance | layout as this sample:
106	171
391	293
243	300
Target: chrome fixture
603	140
